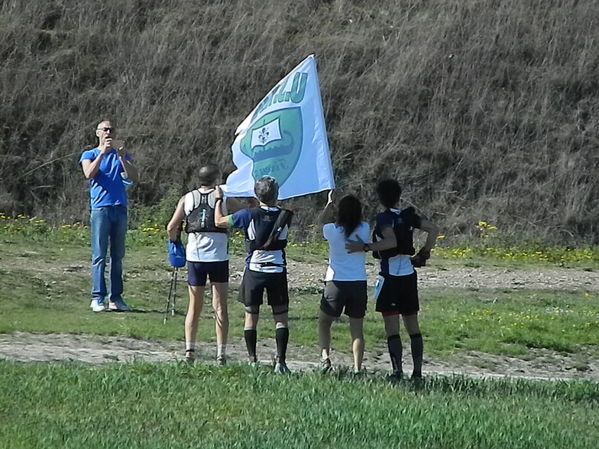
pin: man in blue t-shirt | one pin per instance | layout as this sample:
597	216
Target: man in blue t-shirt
109	171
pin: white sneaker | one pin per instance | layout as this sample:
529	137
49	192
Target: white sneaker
97	305
119	306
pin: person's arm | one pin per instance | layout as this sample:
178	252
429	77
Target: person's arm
220	220
90	168
173	229
387	242
328	213
432	231
130	169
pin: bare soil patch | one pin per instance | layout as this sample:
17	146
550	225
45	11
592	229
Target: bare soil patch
47	348
436	275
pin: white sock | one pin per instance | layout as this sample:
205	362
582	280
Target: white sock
190	345
220	350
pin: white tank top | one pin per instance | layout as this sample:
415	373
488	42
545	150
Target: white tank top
206	246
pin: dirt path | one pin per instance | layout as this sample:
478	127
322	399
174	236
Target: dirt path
542	364
25	347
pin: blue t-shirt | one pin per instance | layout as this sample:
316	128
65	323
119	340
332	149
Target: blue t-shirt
107	187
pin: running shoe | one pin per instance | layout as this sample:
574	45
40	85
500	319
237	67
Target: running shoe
395	376
119	306
325	365
190	356
281	368
97	305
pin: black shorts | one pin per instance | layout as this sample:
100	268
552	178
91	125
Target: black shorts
351	295
254	283
399	294
197	272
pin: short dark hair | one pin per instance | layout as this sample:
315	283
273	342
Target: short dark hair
208	175
267	190
349	214
389	192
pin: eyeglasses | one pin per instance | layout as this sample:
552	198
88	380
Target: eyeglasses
107	129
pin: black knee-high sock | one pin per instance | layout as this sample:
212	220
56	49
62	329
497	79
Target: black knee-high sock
251	337
282	338
395	352
417	351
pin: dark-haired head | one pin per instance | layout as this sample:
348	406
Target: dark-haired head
208	175
267	190
349	214
389	192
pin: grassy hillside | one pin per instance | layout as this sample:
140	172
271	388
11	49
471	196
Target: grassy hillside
485	110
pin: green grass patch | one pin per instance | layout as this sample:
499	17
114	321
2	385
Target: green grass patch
176	406
509	321
488	246
45	288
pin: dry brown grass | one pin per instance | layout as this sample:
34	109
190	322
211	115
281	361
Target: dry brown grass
483	109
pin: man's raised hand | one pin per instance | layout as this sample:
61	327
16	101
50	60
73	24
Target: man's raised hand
106	145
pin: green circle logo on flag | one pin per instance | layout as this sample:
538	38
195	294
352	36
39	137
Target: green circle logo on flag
274	143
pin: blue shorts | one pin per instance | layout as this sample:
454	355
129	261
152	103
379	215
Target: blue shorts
198	272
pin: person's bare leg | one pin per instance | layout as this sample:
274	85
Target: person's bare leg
194	310
356	329
221	317
416	344
324	334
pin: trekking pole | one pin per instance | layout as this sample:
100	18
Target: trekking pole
171	295
175	291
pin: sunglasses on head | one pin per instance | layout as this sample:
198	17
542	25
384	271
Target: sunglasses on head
106	129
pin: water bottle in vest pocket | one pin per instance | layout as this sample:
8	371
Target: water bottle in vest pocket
201	217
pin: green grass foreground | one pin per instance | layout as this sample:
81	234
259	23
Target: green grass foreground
176	406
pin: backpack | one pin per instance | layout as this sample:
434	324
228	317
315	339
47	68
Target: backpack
268	231
403	227
201	217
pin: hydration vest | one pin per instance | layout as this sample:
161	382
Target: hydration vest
201	217
403	228
268	226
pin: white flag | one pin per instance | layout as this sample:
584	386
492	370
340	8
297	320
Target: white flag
284	137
